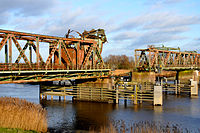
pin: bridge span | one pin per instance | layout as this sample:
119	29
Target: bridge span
67	57
166	58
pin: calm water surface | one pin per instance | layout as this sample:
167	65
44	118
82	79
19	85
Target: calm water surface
81	116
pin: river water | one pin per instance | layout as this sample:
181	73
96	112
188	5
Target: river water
71	116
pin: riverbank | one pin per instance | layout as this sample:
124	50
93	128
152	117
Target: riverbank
15	130
18	115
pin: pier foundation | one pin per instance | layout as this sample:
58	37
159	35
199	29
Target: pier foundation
158	98
194	88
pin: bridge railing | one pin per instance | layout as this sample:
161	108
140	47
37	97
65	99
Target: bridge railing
181	65
51	66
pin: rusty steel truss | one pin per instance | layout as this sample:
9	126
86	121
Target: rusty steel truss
67	55
165	58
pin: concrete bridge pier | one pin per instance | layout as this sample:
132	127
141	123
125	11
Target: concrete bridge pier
158	98
196	76
194	83
194	88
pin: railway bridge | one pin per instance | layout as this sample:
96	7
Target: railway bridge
157	59
166	58
66	57
27	57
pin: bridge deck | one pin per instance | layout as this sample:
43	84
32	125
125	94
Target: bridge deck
50	75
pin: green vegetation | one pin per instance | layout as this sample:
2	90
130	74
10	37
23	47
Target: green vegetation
15	130
21	115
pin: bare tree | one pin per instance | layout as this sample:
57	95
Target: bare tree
120	62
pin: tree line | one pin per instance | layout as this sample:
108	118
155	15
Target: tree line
119	62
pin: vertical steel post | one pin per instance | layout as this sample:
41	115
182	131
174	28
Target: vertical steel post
37	52
77	55
93	58
176	86
101	90
60	43
117	94
30	53
50	49
10	50
6	52
150	61
135	94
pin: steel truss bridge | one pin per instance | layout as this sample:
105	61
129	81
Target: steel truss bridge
165	58
68	57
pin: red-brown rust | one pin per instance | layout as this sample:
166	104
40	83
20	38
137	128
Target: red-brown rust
74	53
30	36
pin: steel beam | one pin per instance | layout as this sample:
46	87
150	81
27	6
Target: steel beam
37	52
30	52
10	50
3	41
51	54
21	51
6	52
166	59
43	38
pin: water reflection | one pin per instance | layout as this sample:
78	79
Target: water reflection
81	116
69	116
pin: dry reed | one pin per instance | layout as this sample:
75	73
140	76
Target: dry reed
143	127
18	113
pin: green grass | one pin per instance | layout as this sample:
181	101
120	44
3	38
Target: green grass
15	130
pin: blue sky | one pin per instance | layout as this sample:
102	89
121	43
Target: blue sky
129	24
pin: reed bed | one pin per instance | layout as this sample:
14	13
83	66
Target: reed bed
143	127
18	113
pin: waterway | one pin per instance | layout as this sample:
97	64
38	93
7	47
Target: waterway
82	116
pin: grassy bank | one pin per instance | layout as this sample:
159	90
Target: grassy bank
15	130
20	114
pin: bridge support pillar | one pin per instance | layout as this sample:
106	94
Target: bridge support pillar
176	87
194	88
194	83
158	98
177	76
135	94
117	94
196	76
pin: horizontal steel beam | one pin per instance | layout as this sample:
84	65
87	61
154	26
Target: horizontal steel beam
30	36
54	71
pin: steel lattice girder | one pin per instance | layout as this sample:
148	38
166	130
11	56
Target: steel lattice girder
152	58
71	52
64	53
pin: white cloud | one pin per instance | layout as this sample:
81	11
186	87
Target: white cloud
26	7
56	17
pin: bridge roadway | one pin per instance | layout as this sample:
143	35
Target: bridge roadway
50	75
